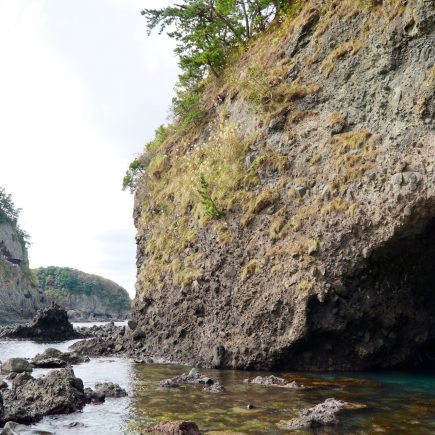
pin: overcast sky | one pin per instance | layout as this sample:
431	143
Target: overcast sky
82	88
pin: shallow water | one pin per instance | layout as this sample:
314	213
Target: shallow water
397	403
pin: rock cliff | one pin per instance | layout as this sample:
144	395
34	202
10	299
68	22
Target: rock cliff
294	226
19	295
85	296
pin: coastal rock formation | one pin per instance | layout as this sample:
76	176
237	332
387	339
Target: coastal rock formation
54	358
59	392
316	247
19	295
51	323
86	297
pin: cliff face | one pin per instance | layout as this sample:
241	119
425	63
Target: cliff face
19	296
317	250
85	296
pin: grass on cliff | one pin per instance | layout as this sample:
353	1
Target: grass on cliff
193	182
180	199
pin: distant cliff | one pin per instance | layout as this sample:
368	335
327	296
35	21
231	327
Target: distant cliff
19	294
85	296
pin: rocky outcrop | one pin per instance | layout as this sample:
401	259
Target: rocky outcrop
19	295
59	392
322	160
51	323
54	358
86	297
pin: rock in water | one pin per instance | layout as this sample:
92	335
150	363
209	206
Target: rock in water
50	323
54	358
323	414
109	389
274	381
59	392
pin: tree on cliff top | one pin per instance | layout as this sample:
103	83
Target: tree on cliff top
9	213
207	29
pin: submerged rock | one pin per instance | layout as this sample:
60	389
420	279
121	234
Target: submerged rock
59	392
50	323
109	389
274	381
323	414
193	377
178	427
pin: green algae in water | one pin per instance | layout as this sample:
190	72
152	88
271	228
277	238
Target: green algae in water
397	403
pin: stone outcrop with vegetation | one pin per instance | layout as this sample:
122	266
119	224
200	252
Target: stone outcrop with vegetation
85	296
290	221
19	294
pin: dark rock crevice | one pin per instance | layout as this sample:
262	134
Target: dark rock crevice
382	317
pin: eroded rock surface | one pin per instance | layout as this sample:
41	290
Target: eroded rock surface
59	392
51	323
54	358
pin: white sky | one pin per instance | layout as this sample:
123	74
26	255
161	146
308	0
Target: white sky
82	88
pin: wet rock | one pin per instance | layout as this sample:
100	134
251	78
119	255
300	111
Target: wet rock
54	358
323	414
16	365
59	392
109	389
175	428
3	385
274	381
95	396
50	323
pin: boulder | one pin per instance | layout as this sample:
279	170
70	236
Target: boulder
109	389
16	365
59	392
50	323
95	396
178	427
54	358
3	385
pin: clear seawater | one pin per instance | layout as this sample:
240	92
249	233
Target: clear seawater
396	402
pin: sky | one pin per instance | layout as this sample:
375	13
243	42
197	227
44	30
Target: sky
82	89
